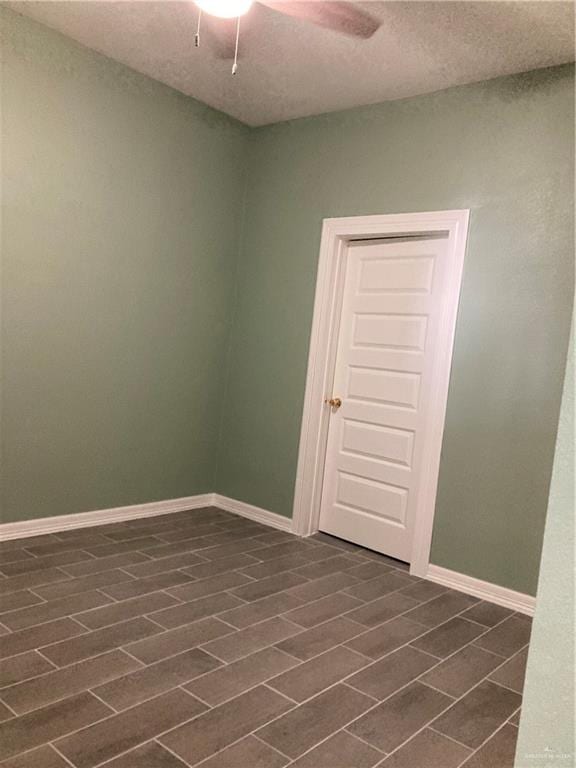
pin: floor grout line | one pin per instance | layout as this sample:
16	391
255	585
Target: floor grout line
41	624
212	709
268	680
43	599
69	695
433	687
39	652
55	748
5	703
426	653
497	655
195	696
56	618
355	736
123	649
417	679
363	630
367	629
353	687
377	702
185	762
486	740
451	738
75	617
266	684
501	685
106	704
109	650
453	703
270	746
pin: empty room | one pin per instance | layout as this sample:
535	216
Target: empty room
287	384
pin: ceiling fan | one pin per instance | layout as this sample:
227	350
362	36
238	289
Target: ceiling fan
340	16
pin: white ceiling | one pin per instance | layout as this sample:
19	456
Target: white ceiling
290	68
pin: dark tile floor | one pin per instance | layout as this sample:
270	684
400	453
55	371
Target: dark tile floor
201	638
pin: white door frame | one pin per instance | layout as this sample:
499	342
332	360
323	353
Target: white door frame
336	233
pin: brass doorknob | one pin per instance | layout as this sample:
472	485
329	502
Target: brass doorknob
333	402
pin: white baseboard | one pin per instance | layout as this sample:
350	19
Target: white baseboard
516	601
253	513
471	586
26	528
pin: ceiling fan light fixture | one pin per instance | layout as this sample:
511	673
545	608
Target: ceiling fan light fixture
225	9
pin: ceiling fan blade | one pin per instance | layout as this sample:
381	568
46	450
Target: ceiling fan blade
339	16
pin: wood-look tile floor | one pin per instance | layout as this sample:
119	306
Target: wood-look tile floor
201	638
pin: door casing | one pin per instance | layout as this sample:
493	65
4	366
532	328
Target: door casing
336	233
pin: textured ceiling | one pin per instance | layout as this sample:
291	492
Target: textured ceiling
290	68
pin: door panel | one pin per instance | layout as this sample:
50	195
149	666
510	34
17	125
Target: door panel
396	331
393	445
390	274
399	389
378	499
389	327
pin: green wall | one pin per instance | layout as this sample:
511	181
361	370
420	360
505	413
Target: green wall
547	725
150	351
120	229
502	148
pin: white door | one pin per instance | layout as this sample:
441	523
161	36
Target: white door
389	333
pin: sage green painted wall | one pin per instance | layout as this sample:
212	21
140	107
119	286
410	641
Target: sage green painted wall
547	725
128	318
502	148
120	222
